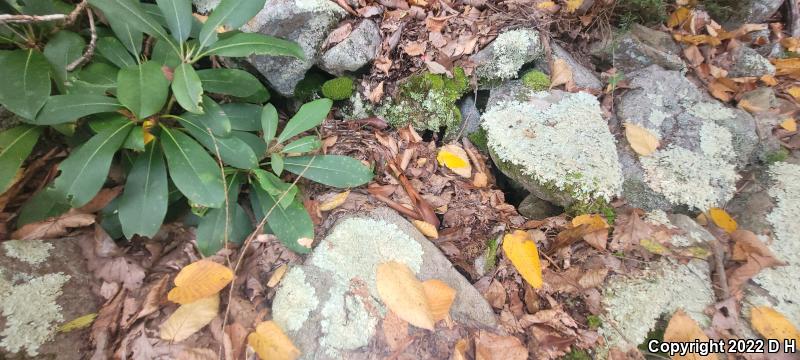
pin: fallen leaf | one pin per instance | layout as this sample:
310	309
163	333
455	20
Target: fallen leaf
198	280
747	247
789	125
522	251
376	94
573	5
456	159
154	297
489	346
437	68
270	342
561	73
596	233
78	323
334	201
682	328
440	297
629	230
480	180
414	48
771	324
593	278
769	80
404	294
197	354
276	276
395	330
654	247
190	318
641	140
722	219
460	350
595	221
750	107
426	228
678	17
53	227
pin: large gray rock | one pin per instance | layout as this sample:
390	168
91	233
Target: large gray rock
583	76
503	57
329	305
306	22
639	48
733	14
702	143
354	52
43	284
748	62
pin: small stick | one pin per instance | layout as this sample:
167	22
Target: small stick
87	55
22	18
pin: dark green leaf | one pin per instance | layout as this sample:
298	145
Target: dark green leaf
276	161
101	122
178	14
229	13
310	115
302	145
66	129
164	55
15	146
186	87
246	44
332	170
261	96
243	116
276	187
26	81
233	151
67	108
84	171
232	82
214	117
130	37
289	224
192	170
45	204
142	89
135	140
253	141
211	230
269	122
131	12
155	12
96	78
143	204
64	48
113	50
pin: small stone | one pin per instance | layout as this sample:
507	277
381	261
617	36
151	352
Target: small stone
532	207
639	48
749	63
733	14
470	116
354	52
503	57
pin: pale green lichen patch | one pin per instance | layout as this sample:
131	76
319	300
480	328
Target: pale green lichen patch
33	252
627	321
31	312
566	145
711	111
781	282
510	51
298	300
347	321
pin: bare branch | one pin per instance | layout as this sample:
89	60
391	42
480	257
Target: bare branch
21	18
87	55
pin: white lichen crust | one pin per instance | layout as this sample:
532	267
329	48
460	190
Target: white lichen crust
634	305
33	252
510	51
566	145
347	321
781	282
30	311
298	300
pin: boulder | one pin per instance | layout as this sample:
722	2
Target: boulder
43	284
556	144
639	48
306	22
583	76
702	143
733	14
747	62
329	306
354	52
504	57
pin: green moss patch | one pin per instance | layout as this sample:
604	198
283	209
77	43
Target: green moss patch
340	88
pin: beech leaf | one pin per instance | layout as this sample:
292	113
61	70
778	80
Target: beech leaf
404	294
190	318
521	250
722	219
270	342
771	324
198	280
682	328
455	158
641	140
440	298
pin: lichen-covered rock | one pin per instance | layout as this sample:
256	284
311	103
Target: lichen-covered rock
329	306
748	62
43	284
306	22
639	48
555	144
734	13
703	142
634	304
503	57
583	76
354	52
470	116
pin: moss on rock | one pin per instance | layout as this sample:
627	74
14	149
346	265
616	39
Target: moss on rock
536	80
340	88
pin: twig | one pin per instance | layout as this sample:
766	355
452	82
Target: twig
719	262
87	55
22	18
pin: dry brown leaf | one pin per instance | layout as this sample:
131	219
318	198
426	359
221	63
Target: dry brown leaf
693	54
561	74
489	346
629	230
771	324
197	354
334	201
593	278
53	227
682	328
404	294
395	330
641	140
336	36
721	91
426	228
480	180
376	94
155	296
440	297
277	275
270	342
190	318
414	48
789	124
198	280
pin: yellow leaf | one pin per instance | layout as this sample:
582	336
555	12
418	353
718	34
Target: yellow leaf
440	297
146	126
772	324
561	74
595	221
521	250
722	219
682	328
653	247
190	318
573	5
334	202
455	158
545	5
426	229
794	91
277	275
641	140
678	17
198	280
403	294
789	125
78	323
270	343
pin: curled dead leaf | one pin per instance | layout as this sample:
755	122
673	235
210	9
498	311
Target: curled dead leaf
426	229
334	201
